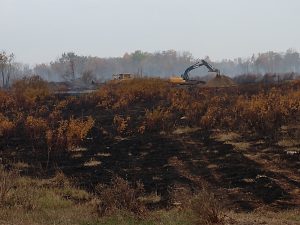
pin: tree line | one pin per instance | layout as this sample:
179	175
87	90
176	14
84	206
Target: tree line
70	66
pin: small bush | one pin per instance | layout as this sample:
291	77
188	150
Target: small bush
120	196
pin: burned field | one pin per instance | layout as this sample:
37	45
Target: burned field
241	143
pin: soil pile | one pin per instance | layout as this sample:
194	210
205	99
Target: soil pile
221	81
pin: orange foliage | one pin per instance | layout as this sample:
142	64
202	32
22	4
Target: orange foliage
260	109
35	127
6	126
56	138
121	95
77	130
30	89
139	106
266	113
69	133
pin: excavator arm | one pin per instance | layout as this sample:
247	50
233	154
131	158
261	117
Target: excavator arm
186	73
210	67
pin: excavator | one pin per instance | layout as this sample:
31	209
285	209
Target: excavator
185	79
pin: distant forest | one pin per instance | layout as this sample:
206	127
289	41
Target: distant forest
71	66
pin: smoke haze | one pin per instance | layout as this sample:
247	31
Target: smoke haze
38	31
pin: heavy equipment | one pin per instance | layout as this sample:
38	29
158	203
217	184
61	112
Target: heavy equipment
121	77
185	75
185	79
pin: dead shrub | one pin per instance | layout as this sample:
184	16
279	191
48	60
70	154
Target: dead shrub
206	208
120	196
158	119
121	123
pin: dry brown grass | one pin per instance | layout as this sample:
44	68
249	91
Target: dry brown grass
56	201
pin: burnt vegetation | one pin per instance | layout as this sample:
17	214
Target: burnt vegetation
131	139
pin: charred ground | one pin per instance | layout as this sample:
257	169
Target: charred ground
241	142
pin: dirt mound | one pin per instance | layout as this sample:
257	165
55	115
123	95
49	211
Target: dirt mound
221	81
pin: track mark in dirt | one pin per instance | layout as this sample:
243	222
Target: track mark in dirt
248	179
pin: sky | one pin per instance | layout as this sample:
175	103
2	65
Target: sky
39	31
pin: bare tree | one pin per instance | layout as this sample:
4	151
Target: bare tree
69	59
6	67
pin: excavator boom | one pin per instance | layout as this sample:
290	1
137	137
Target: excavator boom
185	75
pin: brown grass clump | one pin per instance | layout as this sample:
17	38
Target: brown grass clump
120	196
206	209
7	183
24	196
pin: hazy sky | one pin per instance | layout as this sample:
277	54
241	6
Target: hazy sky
40	30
